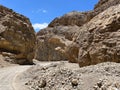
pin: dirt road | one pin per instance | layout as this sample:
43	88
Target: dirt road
8	75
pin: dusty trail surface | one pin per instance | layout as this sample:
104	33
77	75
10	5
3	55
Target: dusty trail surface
61	75
8	75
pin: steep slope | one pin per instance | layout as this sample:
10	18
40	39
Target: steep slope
104	4
59	33
17	37
99	39
49	39
83	37
72	18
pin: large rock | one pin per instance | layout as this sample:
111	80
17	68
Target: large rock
50	39
92	37
80	18
99	39
17	37
72	18
103	5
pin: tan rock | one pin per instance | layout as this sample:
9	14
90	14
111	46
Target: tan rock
72	18
85	37
51	42
16	35
99	39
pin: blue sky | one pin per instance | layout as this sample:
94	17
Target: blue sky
42	12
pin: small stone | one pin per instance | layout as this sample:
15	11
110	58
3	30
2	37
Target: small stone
117	85
42	83
95	87
37	88
112	88
63	82
74	82
104	88
26	83
99	84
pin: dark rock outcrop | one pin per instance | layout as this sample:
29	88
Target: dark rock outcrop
17	37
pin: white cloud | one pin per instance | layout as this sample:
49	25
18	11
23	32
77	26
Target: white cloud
38	26
40	11
44	11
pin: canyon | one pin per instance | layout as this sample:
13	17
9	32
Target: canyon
77	51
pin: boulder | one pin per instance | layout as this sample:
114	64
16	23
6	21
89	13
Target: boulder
50	39
84	37
71	19
103	5
80	18
17	37
99	39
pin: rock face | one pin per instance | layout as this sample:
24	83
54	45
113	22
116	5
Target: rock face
99	40
50	39
87	37
104	4
17	37
72	18
59	33
80	18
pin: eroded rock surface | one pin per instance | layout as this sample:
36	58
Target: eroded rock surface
99	39
49	39
63	30
17	37
93	36
72	18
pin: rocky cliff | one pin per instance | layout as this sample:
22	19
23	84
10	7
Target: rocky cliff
72	18
80	18
99	40
84	37
50	39
17	37
59	34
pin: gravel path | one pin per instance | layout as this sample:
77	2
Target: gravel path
61	76
8	75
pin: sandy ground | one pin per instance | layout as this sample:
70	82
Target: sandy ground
61	75
8	76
